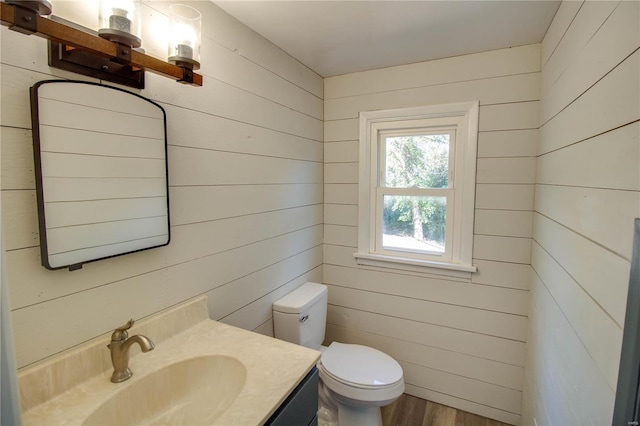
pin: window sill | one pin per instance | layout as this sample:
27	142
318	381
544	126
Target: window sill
413	265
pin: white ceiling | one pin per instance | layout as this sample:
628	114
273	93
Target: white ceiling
339	37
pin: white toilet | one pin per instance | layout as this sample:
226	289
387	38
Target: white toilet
355	380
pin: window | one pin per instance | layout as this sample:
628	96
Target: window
417	187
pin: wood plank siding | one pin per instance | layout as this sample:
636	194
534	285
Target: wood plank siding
586	197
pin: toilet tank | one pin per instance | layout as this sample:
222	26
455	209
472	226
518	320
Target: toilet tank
300	316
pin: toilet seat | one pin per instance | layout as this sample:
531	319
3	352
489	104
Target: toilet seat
346	393
352	384
360	366
360	374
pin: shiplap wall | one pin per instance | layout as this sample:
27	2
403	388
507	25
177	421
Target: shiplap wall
461	342
587	195
245	165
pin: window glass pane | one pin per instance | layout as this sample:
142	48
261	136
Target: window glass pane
417	161
414	223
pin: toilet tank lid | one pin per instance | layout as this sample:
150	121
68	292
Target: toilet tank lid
301	298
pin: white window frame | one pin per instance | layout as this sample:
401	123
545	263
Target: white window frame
461	116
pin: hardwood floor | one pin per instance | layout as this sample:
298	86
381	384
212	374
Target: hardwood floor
412	411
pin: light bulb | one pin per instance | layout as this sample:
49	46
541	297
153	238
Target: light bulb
184	39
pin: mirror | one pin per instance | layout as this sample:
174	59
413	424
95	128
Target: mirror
101	172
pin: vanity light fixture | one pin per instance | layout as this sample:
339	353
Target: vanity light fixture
83	51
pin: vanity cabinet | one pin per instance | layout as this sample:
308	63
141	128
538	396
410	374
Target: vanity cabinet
301	406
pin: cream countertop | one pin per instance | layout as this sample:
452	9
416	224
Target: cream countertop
273	368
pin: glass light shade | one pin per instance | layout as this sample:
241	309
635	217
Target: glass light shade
185	25
120	21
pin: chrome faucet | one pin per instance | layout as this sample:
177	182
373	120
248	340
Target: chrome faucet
119	346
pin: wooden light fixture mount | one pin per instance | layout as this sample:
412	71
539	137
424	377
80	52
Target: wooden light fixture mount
74	49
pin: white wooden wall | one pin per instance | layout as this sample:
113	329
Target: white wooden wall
587	194
245	165
461	342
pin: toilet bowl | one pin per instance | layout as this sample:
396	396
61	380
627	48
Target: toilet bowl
355	380
359	380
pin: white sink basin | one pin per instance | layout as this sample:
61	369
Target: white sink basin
193	391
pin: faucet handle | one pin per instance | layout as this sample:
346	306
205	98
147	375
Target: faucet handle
120	333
